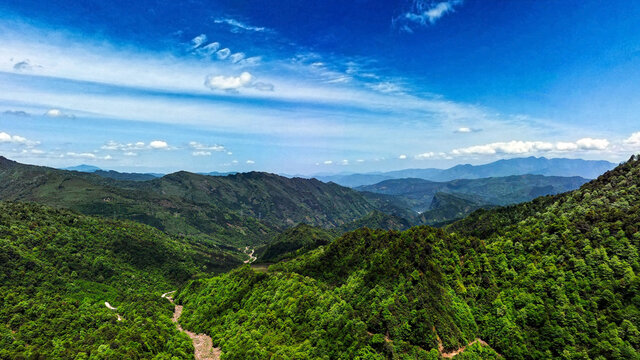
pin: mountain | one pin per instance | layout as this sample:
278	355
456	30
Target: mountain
58	270
588	169
447	207
552	278
294	241
419	193
234	210
126	176
83	168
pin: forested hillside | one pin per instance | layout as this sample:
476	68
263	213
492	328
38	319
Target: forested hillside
419	193
555	278
224	210
57	270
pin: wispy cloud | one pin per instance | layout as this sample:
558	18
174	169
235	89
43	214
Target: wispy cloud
16	139
423	13
17	113
526	147
237	26
466	130
57	113
198	41
201	153
131	147
198	146
87	155
633	140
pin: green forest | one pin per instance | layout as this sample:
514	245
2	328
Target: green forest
58	270
554	278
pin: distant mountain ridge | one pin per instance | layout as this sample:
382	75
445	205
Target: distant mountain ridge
505	190
588	169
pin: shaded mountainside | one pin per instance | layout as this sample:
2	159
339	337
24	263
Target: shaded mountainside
506	190
446	208
588	169
552	278
235	209
294	241
272	199
125	176
58	270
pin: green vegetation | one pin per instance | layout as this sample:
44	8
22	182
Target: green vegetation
446	208
293	242
554	278
58	268
228	210
419	193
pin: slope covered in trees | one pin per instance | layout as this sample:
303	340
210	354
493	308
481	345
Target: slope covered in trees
57	271
554	278
505	190
237	209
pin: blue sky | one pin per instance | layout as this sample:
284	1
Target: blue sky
304	87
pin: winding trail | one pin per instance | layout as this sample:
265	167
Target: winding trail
106	303
251	257
449	355
202	343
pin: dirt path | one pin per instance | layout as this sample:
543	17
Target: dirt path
251	257
106	303
449	355
202	343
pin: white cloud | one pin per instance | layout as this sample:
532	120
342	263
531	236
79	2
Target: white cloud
566	146
234	83
592	144
129	148
237	26
511	147
199	40
328	162
209	49
158	144
235	58
633	140
344	162
402	157
221	82
57	113
250	162
223	53
17	139
87	155
386	87
424	156
425	13
198	146
201	153
524	147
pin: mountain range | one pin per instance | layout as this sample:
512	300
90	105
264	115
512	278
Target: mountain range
588	169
